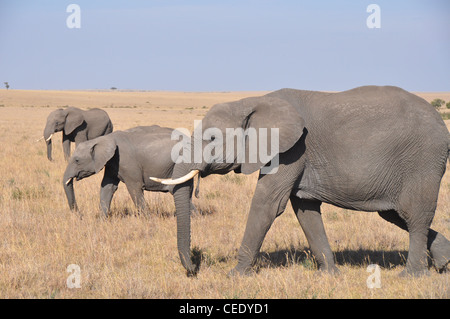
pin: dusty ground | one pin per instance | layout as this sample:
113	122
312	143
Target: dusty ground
135	256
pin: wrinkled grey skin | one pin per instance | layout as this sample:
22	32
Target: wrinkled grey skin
130	157
368	149
77	126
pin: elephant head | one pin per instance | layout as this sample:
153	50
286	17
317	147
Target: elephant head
88	159
214	151
67	119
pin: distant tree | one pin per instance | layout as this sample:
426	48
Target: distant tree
6	85
113	88
437	103
448	105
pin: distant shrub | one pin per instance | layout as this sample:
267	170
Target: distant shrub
28	193
234	178
448	105
213	195
437	103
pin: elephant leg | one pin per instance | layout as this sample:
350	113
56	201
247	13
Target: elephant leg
437	244
269	201
310	219
66	147
417	224
80	137
416	264
108	188
137	195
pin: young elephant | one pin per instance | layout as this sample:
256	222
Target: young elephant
77	126
129	156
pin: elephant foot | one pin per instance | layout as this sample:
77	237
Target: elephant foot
440	252
408	273
441	265
442	270
240	272
330	270
191	273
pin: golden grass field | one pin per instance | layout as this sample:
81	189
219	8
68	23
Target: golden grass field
135	256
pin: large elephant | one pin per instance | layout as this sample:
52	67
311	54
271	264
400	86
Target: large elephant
130	157
369	149
77	126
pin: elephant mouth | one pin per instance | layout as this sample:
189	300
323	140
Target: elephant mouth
49	138
76	177
70	180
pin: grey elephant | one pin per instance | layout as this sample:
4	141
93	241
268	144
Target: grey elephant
130	157
77	126
369	149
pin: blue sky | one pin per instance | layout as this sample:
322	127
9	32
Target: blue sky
225	45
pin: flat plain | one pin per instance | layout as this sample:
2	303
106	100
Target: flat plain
132	255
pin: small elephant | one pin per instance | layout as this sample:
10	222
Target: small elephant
369	149
77	126
130	157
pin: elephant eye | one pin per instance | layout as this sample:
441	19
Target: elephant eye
213	138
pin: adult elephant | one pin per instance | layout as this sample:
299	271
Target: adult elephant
130	157
77	126
368	149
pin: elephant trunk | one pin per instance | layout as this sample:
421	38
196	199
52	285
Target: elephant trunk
68	188
183	185
48	133
182	198
49	149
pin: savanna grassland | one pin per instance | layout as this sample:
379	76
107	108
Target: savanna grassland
135	256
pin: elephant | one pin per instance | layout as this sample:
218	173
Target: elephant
371	148
77	126
129	156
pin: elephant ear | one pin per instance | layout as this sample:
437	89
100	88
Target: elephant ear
74	119
263	115
102	151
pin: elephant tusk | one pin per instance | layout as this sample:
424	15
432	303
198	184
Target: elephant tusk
40	139
49	138
159	180
69	180
177	181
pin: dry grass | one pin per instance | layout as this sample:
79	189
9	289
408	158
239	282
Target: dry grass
132	256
